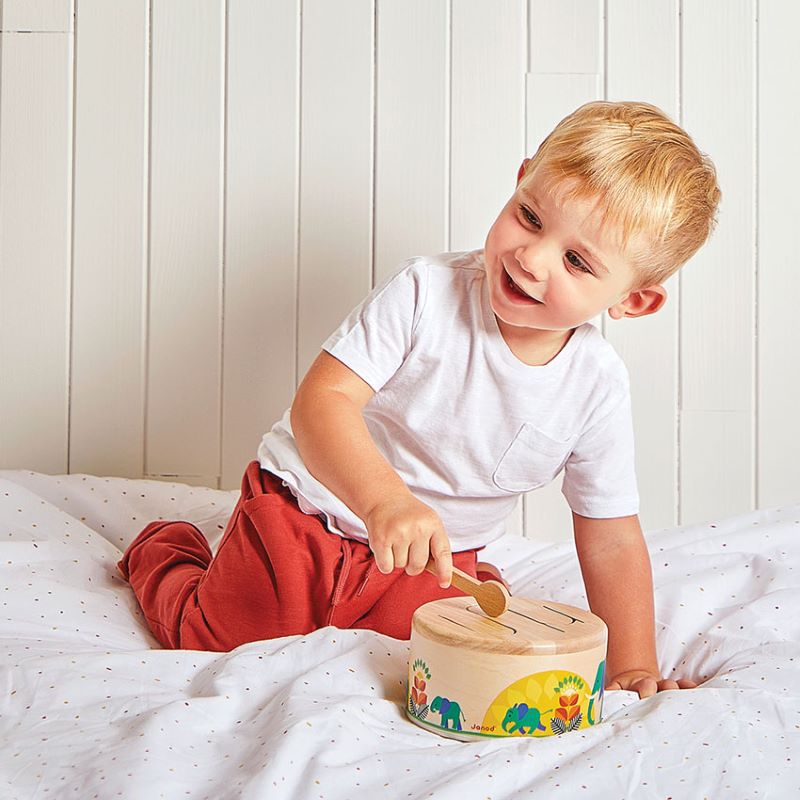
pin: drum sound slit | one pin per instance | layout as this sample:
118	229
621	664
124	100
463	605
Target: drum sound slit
489	619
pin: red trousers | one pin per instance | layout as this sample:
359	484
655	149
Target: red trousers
277	572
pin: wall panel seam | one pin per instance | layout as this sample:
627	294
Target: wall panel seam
448	123
604	62
679	328
146	225
755	431
298	191
605	49
525	499
373	141
222	235
70	299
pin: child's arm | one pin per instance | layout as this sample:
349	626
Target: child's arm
617	574
335	445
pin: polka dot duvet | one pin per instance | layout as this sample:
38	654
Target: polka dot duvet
91	707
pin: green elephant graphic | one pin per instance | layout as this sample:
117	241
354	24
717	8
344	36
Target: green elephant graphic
521	716
450	712
598	691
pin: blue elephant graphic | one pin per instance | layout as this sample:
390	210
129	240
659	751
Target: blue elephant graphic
521	716
450	711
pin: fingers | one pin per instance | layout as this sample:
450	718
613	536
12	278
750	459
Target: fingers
443	557
405	534
414	558
384	557
418	556
647	686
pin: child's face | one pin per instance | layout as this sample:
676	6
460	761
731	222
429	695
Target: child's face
568	265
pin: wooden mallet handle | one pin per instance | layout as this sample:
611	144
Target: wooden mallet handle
492	596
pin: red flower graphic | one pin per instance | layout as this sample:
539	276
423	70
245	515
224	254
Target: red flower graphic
418	690
568	707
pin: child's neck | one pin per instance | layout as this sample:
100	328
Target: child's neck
533	347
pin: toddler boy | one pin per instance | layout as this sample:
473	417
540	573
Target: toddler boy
462	381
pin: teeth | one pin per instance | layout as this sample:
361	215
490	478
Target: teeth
514	285
518	289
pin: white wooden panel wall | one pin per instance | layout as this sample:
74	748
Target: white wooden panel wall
260	265
192	196
36	55
412	131
777	281
336	156
109	235
182	422
717	341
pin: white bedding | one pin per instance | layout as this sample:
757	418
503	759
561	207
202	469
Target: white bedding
91	708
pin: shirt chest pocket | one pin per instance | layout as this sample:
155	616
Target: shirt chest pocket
531	460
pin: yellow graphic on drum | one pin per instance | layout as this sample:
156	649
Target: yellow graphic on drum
547	704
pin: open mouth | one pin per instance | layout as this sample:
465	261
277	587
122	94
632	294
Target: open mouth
517	291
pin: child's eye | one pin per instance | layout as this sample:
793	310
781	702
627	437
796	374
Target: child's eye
530	216
576	262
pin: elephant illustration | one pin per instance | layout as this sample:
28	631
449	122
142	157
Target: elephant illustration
597	694
521	716
450	712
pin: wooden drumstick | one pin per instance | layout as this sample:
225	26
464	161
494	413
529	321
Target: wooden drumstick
492	596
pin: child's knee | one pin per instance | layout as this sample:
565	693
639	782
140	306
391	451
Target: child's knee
162	541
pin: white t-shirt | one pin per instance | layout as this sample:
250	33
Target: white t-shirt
464	422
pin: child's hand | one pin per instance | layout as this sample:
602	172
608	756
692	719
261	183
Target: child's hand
646	684
404	532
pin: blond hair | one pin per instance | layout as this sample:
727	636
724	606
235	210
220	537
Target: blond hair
646	171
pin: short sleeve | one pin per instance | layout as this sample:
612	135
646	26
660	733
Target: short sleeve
377	335
600	473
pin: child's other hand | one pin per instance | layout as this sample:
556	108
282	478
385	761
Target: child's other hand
405	533
645	683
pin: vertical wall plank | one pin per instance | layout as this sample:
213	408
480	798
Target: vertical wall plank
565	63
35	190
549	97
642	59
565	71
36	16
778	422
261	226
335	259
566	37
717	286
109	252
487	120
411	129
183	391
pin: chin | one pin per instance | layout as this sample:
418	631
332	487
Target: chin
520	322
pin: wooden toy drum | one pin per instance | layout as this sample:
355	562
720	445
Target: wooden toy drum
536	670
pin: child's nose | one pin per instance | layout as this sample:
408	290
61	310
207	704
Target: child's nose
533	261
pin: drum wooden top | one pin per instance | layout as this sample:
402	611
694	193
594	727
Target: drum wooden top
529	627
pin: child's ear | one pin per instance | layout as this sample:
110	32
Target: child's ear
640	303
521	172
